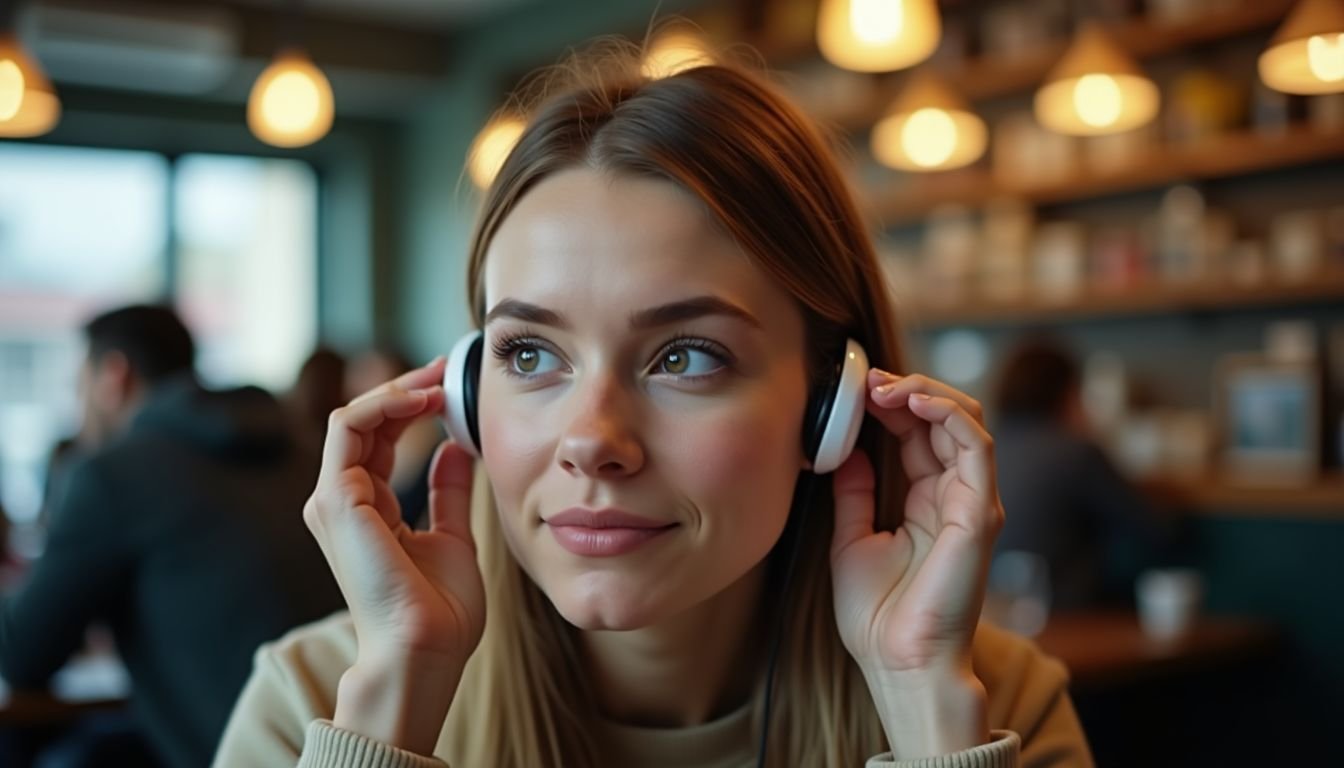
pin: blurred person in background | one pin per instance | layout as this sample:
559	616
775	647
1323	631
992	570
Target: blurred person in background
1065	500
318	390
8	564
59	461
410	468
375	365
180	527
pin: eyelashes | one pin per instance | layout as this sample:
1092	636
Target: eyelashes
509	343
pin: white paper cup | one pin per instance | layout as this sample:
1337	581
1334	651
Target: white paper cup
1169	601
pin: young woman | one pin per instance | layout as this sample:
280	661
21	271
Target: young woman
663	272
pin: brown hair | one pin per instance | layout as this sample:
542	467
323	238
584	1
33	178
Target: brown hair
766	174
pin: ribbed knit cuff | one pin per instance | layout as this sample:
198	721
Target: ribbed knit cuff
326	746
1002	752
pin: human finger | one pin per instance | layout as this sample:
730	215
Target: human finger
853	485
974	457
351	428
893	388
450	481
917	455
427	375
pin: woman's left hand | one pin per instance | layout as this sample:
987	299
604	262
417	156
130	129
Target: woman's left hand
907	603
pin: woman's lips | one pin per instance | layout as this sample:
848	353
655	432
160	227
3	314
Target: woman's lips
604	532
604	542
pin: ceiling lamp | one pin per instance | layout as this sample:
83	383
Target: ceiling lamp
673	51
1306	55
291	103
928	128
877	35
1096	89
28	103
492	147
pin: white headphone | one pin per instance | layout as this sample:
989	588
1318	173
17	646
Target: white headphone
830	428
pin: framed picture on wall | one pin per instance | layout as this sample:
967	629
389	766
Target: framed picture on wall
1269	417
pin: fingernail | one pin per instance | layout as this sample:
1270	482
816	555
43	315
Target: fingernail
920	396
885	389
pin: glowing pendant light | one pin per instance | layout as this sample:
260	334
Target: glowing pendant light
491	147
1096	89
28	103
928	128
1306	55
291	103
673	51
877	35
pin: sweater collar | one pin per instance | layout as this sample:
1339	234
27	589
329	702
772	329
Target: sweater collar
727	742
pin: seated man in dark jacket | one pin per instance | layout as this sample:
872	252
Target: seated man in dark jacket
181	530
1064	499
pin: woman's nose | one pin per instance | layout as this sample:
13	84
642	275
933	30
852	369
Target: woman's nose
599	440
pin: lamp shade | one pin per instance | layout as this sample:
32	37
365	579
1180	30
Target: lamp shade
877	35
1306	55
1096	88
291	104
28	103
928	128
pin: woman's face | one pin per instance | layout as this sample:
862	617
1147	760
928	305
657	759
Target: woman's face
636	363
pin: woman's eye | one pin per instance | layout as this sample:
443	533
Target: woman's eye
533	360
684	361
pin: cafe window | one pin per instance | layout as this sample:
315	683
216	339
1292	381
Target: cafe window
231	241
246	270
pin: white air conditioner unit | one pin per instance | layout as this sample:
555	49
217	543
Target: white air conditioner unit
145	47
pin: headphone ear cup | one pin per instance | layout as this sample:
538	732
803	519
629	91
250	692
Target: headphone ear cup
836	413
461	386
818	412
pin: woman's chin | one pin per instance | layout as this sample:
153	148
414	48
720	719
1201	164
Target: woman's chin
612	608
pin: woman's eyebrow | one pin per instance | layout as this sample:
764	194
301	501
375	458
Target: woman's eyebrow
654	317
689	309
530	313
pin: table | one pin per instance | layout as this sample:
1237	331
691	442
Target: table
88	682
1107	647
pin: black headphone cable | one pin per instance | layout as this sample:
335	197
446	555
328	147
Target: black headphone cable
807	481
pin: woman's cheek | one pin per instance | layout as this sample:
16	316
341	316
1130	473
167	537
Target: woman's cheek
510	450
747	462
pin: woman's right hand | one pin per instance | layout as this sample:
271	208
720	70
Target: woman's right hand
416	597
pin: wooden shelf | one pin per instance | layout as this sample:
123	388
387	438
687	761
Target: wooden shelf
1141	300
1211	495
985	77
1141	37
1224	156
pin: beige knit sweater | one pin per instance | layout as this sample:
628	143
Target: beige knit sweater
283	716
